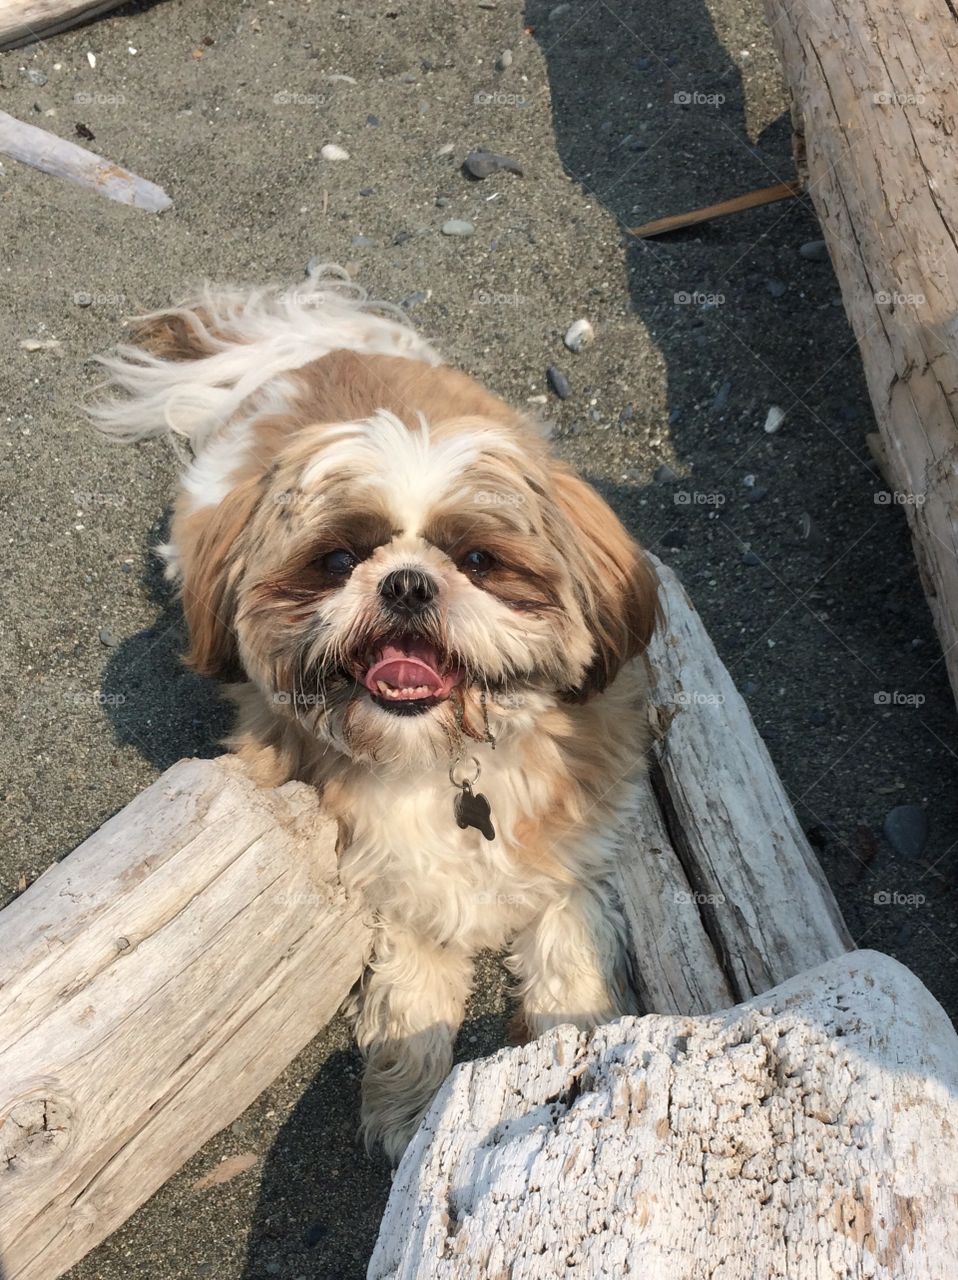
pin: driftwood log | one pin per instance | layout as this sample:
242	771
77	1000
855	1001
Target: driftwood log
874	87
24	21
723	893
151	985
810	1134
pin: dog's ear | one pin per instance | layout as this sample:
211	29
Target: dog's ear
619	587
210	560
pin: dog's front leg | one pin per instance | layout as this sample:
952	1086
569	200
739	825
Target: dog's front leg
572	961
411	1008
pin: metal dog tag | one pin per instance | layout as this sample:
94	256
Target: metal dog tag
472	810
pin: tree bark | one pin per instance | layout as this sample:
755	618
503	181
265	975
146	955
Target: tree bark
810	1134
151	985
876	108
24	21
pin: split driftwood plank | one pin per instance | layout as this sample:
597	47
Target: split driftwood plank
64	159
24	21
151	986
722	890
875	106
810	1134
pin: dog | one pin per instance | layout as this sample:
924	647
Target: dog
419	610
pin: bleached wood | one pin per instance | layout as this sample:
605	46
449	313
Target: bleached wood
875	105
64	159
24	21
764	901
810	1134
151	985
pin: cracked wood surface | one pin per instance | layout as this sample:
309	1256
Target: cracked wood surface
809	1134
722	891
151	985
874	85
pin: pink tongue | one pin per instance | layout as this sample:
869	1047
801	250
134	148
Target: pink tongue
408	665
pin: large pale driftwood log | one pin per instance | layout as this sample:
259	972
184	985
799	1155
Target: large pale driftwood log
810	1134
151	985
875	104
23	21
748	871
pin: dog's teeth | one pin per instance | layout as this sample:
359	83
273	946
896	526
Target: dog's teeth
382	686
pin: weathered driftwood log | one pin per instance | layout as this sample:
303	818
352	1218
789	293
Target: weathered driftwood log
151	985
810	1134
23	21
64	159
875	103
722	891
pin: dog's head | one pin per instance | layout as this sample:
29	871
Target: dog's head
379	579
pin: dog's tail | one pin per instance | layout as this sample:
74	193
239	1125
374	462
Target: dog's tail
190	367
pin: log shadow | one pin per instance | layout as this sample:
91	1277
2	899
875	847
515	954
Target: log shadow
321	1196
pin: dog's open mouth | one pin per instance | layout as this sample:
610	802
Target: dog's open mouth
407	675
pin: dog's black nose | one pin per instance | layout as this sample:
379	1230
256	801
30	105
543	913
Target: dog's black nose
407	591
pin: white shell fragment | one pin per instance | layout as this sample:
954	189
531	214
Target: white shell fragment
579	335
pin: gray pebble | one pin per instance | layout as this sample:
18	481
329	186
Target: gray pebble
108	638
362	242
749	686
505	60
775	288
373	122
750	558
756	494
664	474
457	227
814	250
414	299
36	76
674	417
367	191
721	399
558	382
906	830
627	414
674	538
442	201
482	164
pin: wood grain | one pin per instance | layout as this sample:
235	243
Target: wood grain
151	985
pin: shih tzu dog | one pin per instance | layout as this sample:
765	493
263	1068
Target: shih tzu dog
422	612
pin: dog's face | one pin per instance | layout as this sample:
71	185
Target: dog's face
379	583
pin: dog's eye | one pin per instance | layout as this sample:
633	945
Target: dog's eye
340	563
478	562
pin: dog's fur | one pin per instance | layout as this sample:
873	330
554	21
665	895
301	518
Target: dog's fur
318	424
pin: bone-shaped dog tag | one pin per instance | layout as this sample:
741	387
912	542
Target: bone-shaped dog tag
472	810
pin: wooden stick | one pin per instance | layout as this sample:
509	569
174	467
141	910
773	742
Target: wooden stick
151	985
25	21
676	221
54	155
